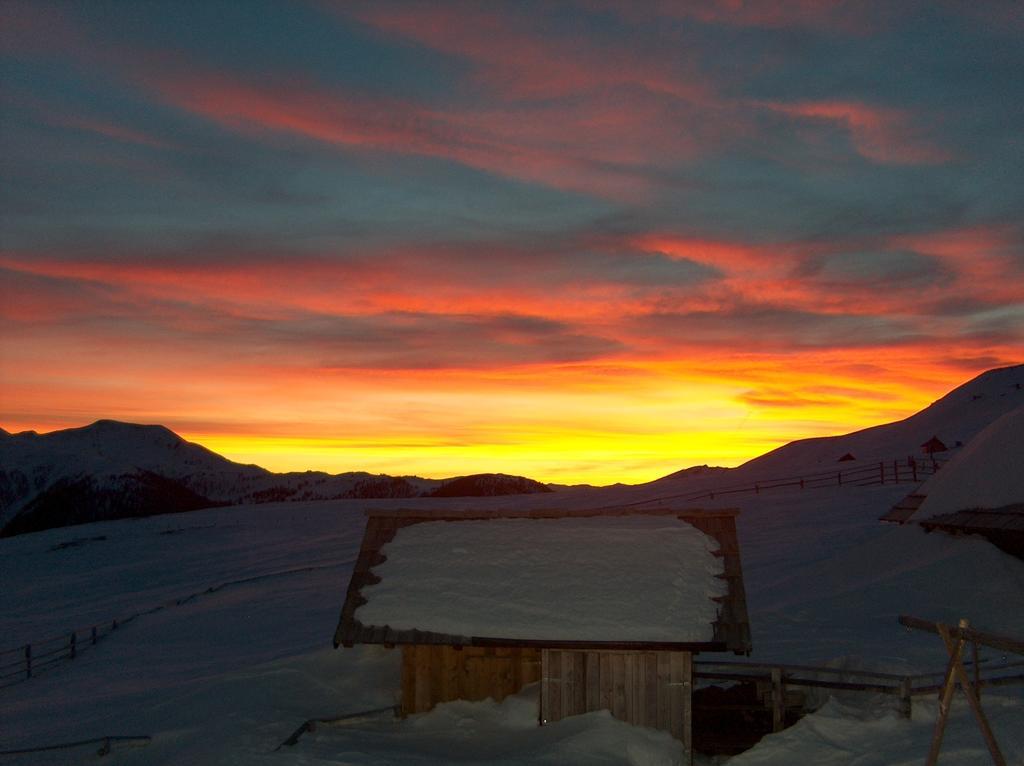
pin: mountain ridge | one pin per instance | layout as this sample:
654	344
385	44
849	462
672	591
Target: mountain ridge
110	469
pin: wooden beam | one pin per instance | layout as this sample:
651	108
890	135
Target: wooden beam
956	648
1006	643
972	700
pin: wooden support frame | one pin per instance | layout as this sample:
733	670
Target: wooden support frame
955	640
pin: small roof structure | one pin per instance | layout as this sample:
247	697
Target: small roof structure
846	458
933	445
624	579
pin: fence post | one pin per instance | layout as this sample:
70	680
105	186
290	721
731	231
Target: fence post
801	483
757	488
881	472
778	701
840	476
94	634
896	471
913	468
113	625
28	660
906	702
73	644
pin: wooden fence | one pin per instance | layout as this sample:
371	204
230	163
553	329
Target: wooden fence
21	663
898	471
776	678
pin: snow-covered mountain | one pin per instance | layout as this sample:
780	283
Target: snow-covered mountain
955	419
115	470
111	470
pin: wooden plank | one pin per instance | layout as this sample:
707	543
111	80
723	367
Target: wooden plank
592	673
423	694
663	670
530	665
568	685
650	661
629	687
618	680
453	660
579	665
687	705
545	691
675	686
552	676
472	682
607	683
639	690
504	672
408	705
436	675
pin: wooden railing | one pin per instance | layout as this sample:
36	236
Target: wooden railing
35	657
778	677
897	471
21	663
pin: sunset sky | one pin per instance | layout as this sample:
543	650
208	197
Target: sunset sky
587	241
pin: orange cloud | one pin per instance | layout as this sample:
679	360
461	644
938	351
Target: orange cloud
985	259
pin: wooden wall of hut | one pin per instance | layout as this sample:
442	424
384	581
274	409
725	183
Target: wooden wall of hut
434	673
644	688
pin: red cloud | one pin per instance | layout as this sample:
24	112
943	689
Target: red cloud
985	259
528	146
881	134
522	56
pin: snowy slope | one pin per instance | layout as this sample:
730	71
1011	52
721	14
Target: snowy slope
956	417
225	677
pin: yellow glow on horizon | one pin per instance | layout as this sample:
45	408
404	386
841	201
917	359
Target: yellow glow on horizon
625	421
650	425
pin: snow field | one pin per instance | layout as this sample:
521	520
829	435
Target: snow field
227	676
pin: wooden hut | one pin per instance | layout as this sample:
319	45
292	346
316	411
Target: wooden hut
1003	527
601	655
933	445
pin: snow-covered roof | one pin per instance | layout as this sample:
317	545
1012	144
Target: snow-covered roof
665	578
985	474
